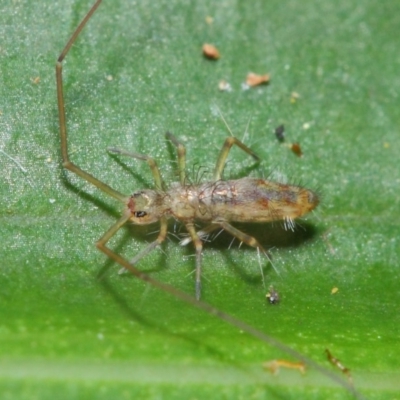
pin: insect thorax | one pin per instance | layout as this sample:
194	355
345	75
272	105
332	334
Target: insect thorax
207	202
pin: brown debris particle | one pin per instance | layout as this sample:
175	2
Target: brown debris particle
210	51
335	361
295	147
256	80
274	365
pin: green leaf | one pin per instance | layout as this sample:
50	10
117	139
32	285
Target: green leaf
136	72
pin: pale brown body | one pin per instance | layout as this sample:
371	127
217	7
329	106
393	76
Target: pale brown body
216	203
285	201
240	200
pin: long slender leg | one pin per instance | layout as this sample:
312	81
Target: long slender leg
150	161
181	156
243	237
160	238
198	244
148	249
223	154
151	246
238	323
249	240
101	244
62	119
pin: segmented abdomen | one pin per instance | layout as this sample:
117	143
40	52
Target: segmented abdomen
253	200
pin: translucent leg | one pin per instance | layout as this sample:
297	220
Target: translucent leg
101	244
160	238
238	323
148	249
249	240
151	246
243	237
199	248
150	161
63	125
181	156
229	142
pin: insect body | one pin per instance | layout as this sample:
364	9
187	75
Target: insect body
217	203
241	200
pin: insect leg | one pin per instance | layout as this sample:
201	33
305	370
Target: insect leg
198	244
181	156
150	247
62	119
223	154
238	323
249	240
160	238
243	237
204	232
150	161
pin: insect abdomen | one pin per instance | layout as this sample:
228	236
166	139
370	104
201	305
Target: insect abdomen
255	200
